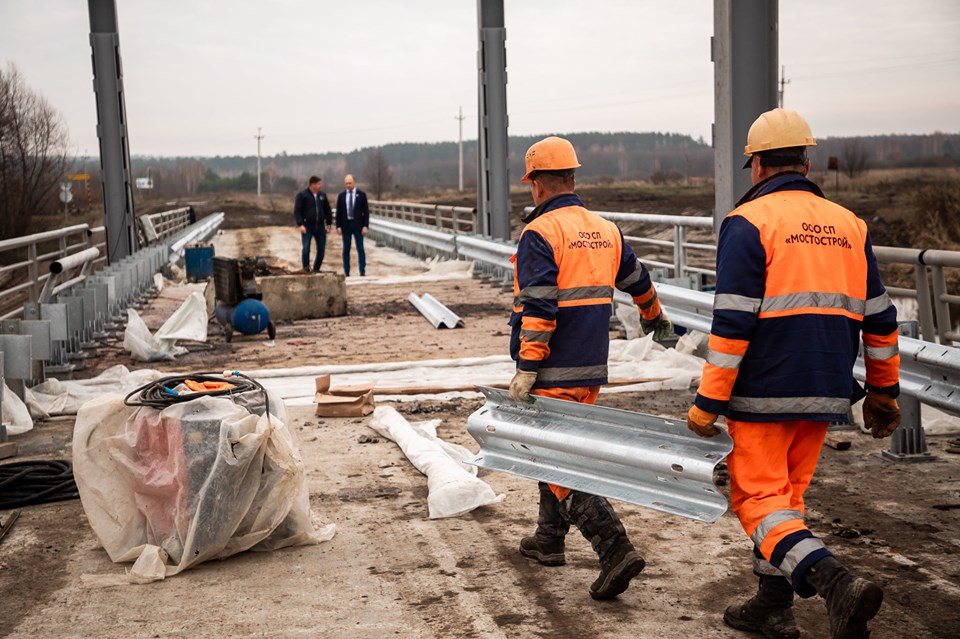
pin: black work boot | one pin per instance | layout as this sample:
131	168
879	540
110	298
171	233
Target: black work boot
546	545
851	601
770	611
619	561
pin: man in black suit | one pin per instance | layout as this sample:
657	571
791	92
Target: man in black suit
353	217
311	209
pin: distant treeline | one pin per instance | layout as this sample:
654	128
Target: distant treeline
604	156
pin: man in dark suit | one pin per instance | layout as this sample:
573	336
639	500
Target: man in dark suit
311	209
353	217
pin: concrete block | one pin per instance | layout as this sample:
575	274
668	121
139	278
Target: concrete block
306	296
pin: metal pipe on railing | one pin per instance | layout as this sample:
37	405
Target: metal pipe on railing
74	260
203	230
83	258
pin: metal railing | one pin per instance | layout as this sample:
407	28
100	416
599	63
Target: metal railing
459	219
679	266
927	263
26	262
931	293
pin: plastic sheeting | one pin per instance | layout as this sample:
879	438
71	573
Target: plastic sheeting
640	358
55	397
453	486
16	417
189	322
196	481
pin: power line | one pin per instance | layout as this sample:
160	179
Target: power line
461	118
259	137
783	82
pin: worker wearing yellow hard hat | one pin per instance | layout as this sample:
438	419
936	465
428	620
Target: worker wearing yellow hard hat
797	287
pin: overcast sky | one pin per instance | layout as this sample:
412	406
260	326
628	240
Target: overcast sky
202	75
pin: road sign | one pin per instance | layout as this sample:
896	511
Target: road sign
66	196
145	183
79	177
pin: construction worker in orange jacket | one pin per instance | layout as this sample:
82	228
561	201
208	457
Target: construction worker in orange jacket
797	286
567	264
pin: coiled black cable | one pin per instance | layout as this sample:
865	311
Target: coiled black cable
25	483
161	394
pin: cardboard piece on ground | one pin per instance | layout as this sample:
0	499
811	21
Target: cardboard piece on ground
345	401
8	449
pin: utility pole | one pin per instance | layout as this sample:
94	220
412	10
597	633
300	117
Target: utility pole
783	82
259	137
461	118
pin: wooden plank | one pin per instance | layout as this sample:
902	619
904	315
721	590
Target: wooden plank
436	390
8	449
837	442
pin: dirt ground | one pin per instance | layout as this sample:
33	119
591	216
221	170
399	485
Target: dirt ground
391	571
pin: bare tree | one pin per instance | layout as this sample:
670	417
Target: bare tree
853	158
378	173
33	153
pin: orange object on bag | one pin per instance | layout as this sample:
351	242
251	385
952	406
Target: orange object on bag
206	387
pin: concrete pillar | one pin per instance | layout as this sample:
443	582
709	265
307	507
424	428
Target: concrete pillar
493	182
744	51
112	130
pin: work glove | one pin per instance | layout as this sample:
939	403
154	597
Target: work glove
521	384
660	326
881	414
701	422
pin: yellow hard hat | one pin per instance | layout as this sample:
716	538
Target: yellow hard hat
550	154
777	129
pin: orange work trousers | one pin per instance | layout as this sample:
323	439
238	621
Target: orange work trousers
771	466
579	394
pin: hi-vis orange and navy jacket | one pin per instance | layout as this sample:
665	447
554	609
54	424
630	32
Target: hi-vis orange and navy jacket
568	260
797	282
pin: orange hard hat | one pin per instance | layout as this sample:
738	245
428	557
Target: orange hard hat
777	129
550	154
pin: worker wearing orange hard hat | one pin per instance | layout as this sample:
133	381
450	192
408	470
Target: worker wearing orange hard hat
567	264
797	286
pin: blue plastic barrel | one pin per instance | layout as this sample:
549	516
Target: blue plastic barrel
199	262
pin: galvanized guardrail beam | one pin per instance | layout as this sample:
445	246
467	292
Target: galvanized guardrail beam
641	459
436	313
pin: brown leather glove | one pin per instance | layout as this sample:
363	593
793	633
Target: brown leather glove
701	422
521	384
881	414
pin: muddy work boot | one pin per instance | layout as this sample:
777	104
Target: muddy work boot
599	524
851	601
548	552
546	545
769	612
622	564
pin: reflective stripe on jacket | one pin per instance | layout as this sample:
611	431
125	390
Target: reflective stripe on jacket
797	282
567	264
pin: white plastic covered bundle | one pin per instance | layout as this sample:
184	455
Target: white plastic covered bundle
453	486
198	480
189	322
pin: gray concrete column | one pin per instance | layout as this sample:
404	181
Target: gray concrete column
112	130
493	182
745	57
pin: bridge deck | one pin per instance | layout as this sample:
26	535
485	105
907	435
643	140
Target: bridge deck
391	571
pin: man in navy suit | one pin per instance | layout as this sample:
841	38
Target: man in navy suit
353	218
312	212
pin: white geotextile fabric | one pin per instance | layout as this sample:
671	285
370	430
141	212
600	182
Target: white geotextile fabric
639	358
189	322
196	481
55	397
16	416
453	486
